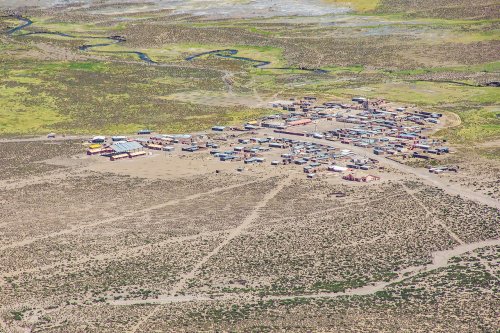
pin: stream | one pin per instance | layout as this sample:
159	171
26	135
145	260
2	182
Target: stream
225	53
114	39
231	54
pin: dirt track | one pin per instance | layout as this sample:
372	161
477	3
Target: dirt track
232	234
421	173
440	260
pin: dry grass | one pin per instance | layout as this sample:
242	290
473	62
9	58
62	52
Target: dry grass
449	9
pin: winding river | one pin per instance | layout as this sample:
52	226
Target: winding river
224	53
231	54
27	23
114	39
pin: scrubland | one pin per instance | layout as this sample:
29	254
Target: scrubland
87	246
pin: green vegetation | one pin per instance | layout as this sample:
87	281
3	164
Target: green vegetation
491	67
25	106
90	97
25	112
358	5
491	153
17	315
77	28
49	68
426	93
62	96
477	126
338	286
40	95
88	66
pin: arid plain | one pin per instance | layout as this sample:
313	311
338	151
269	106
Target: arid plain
182	242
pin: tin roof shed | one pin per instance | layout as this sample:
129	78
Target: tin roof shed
124	147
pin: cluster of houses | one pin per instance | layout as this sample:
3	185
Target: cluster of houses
111	147
373	125
310	156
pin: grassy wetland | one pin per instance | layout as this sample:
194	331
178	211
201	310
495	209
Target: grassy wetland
182	243
48	84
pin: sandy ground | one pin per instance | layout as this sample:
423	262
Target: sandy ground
209	8
174	165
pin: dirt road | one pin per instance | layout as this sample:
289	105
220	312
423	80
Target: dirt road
420	173
181	284
439	260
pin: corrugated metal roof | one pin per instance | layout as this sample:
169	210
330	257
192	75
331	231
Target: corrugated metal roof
123	147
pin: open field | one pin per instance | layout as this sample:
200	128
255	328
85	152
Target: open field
178	240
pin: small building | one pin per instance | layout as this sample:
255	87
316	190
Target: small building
421	146
275	124
211	145
218	128
337	168
118	156
300	122
363	179
422	156
224	157
300	162
98	139
136	154
359	99
276	145
370	178
154	146
99	151
250	160
443	149
190	149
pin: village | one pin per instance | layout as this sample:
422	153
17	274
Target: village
317	137
249	166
